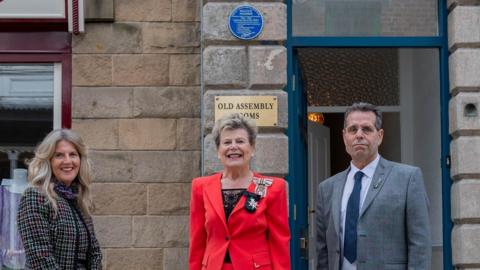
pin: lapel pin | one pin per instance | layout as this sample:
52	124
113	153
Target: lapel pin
377	184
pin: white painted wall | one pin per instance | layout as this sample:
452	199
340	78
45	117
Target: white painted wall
420	121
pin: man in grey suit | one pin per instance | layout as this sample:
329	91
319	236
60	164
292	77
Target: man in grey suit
373	215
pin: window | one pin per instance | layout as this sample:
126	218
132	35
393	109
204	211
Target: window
364	18
35	92
28	110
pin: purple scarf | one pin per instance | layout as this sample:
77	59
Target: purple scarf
68	193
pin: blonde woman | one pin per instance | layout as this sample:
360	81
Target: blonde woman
54	217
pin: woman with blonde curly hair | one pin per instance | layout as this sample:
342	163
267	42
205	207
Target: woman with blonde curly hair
54	217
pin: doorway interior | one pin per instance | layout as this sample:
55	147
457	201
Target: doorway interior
405	84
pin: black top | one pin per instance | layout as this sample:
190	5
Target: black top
230	200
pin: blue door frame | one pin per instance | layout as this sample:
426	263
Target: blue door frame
297	177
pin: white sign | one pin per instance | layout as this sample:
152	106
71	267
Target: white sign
32	9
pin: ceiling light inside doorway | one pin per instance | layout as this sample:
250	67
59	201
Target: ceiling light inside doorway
316	117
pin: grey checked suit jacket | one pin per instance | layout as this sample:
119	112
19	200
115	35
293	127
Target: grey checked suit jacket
393	230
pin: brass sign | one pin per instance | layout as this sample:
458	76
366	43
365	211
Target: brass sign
262	109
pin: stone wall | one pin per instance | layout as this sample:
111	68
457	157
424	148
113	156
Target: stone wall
136	102
237	68
464	46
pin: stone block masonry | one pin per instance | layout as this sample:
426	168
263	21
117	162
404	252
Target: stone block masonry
464	46
233	67
136	102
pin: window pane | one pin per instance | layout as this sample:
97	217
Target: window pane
365	18
26	111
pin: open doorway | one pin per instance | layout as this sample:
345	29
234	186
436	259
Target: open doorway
405	84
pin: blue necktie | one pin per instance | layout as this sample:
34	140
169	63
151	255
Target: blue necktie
351	220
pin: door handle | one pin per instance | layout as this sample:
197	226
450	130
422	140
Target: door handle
303	243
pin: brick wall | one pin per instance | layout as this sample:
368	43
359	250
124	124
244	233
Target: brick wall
136	102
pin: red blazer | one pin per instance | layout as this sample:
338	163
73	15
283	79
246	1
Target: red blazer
258	240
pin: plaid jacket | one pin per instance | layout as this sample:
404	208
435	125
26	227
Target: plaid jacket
49	240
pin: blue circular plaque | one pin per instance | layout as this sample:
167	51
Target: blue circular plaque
245	22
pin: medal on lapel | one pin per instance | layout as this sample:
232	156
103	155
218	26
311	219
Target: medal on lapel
251	201
261	186
253	198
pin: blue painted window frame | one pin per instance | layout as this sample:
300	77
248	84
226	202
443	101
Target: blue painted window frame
297	151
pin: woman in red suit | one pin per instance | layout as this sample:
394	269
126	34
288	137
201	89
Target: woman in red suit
238	218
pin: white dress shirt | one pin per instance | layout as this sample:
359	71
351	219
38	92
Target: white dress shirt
368	172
